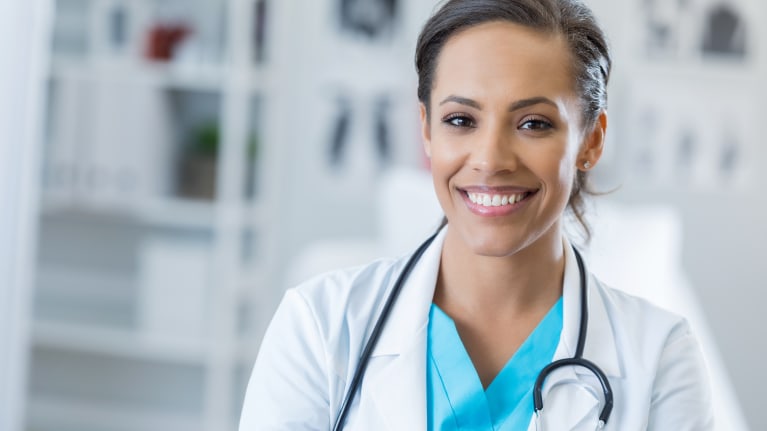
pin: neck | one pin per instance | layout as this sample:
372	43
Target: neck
525	281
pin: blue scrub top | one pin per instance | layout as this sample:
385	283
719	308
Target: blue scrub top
456	399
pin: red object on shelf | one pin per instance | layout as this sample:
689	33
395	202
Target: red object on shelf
163	40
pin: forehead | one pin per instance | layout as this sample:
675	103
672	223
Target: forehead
504	59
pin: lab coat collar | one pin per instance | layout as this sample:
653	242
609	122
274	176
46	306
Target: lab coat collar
410	313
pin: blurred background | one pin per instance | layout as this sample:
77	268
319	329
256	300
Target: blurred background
169	167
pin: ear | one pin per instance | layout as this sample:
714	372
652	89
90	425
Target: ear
593	144
425	130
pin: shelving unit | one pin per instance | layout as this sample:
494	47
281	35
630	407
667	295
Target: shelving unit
177	180
150	292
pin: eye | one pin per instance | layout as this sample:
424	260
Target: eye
459	120
535	123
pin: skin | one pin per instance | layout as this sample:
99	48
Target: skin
504	118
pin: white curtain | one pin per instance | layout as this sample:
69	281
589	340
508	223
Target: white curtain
24	52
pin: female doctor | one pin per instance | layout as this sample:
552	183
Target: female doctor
456	336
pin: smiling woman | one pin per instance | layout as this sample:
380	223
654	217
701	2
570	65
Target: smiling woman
503	118
496	313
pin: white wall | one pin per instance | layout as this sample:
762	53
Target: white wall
318	64
724	231
23	43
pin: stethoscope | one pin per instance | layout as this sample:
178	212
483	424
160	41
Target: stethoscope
577	360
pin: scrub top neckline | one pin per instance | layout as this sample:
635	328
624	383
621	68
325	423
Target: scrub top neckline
506	404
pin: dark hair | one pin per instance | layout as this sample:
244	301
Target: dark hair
569	18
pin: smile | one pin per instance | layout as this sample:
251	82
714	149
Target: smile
496	200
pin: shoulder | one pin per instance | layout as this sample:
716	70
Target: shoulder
625	309
662	360
326	318
309	348
338	287
345	298
653	336
648	333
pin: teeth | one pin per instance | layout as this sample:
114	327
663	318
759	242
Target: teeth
488	200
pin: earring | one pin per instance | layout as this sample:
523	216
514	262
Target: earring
587	165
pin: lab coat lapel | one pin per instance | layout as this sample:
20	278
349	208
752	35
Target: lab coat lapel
398	385
572	397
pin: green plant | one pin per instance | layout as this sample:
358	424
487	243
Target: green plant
207	139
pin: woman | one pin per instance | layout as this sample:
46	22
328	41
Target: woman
513	98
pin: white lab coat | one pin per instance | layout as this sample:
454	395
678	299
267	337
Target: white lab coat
312	346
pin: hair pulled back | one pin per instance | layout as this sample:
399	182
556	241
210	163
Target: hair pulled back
571	19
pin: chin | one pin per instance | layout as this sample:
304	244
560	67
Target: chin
493	245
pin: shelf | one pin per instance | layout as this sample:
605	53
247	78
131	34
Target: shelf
162	75
58	414
175	212
166	212
129	344
118	342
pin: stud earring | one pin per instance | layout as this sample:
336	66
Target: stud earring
587	165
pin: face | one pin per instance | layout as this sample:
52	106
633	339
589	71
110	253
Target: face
504	136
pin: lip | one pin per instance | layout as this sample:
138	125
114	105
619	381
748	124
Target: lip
499	211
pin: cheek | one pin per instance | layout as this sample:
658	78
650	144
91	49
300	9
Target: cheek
556	170
447	155
443	168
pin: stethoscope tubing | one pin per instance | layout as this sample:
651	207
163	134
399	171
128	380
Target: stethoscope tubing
578	362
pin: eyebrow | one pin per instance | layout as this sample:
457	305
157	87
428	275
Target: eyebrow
519	104
462	101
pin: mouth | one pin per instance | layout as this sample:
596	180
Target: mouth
488	202
497	199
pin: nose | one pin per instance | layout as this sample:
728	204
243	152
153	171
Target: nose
493	151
